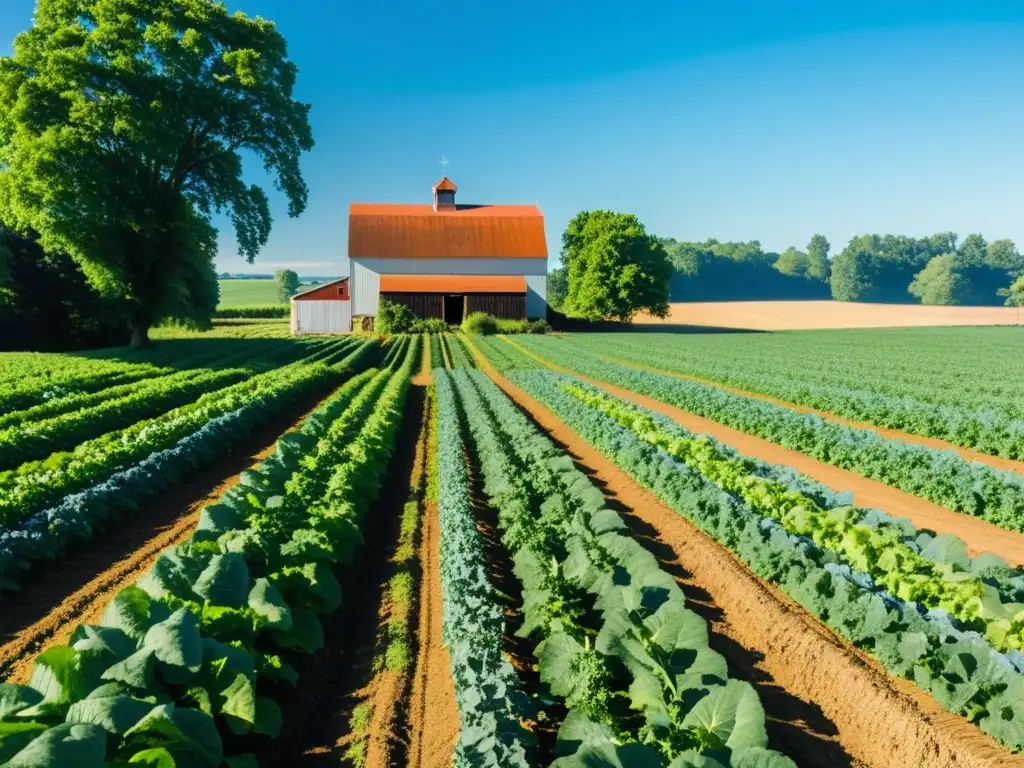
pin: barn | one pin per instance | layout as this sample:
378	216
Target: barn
326	308
446	259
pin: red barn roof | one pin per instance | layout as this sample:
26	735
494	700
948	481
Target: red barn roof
382	230
452	284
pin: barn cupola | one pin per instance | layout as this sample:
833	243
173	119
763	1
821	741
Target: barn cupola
444	195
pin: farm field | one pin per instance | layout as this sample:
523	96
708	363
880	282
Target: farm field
249	293
243	549
804	315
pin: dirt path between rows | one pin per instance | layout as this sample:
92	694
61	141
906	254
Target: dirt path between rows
997	462
980	535
433	714
827	703
60	595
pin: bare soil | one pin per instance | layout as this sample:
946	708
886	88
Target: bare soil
827	703
346	674
998	462
60	595
980	536
808	315
433	714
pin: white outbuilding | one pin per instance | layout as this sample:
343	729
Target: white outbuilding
326	308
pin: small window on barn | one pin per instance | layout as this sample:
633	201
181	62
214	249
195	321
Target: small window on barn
341	291
445	197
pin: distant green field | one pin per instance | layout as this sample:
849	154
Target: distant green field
249	293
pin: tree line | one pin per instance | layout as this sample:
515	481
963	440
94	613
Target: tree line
938	269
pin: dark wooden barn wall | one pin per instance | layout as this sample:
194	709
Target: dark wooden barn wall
508	306
425	305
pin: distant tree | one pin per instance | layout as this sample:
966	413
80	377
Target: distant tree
122	132
793	262
973	251
287	284
940	282
1015	293
558	287
851	273
1003	254
818	265
614	268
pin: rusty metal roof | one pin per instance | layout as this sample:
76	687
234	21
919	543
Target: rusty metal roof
452	284
382	230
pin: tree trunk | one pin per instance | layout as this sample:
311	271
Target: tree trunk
140	336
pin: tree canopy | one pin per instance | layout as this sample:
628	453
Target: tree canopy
614	268
287	284
940	282
1015	293
123	125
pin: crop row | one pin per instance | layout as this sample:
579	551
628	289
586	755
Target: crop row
958	667
936	576
69	382
32	440
33	485
460	356
973	369
993	432
492	706
616	642
76	518
177	668
938	475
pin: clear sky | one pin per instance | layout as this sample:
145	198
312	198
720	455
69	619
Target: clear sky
767	120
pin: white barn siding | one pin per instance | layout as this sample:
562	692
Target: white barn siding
311	316
365	277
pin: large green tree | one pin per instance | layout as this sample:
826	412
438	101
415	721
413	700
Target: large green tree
1015	293
793	262
558	288
818	265
615	269
287	284
123	125
940	282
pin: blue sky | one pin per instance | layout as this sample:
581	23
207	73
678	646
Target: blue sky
736	120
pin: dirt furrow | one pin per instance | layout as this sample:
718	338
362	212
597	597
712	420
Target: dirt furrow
980	535
60	595
997	462
827	703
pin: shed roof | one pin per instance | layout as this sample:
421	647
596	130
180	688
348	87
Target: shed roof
452	284
317	288
382	230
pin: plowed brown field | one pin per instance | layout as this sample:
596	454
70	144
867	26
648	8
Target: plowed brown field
809	315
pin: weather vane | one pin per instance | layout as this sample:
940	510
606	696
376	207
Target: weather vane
443	161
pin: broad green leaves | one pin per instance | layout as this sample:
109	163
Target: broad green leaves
180	659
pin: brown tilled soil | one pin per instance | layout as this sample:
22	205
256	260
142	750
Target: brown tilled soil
806	315
967	453
826	703
57	597
980	536
433	715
